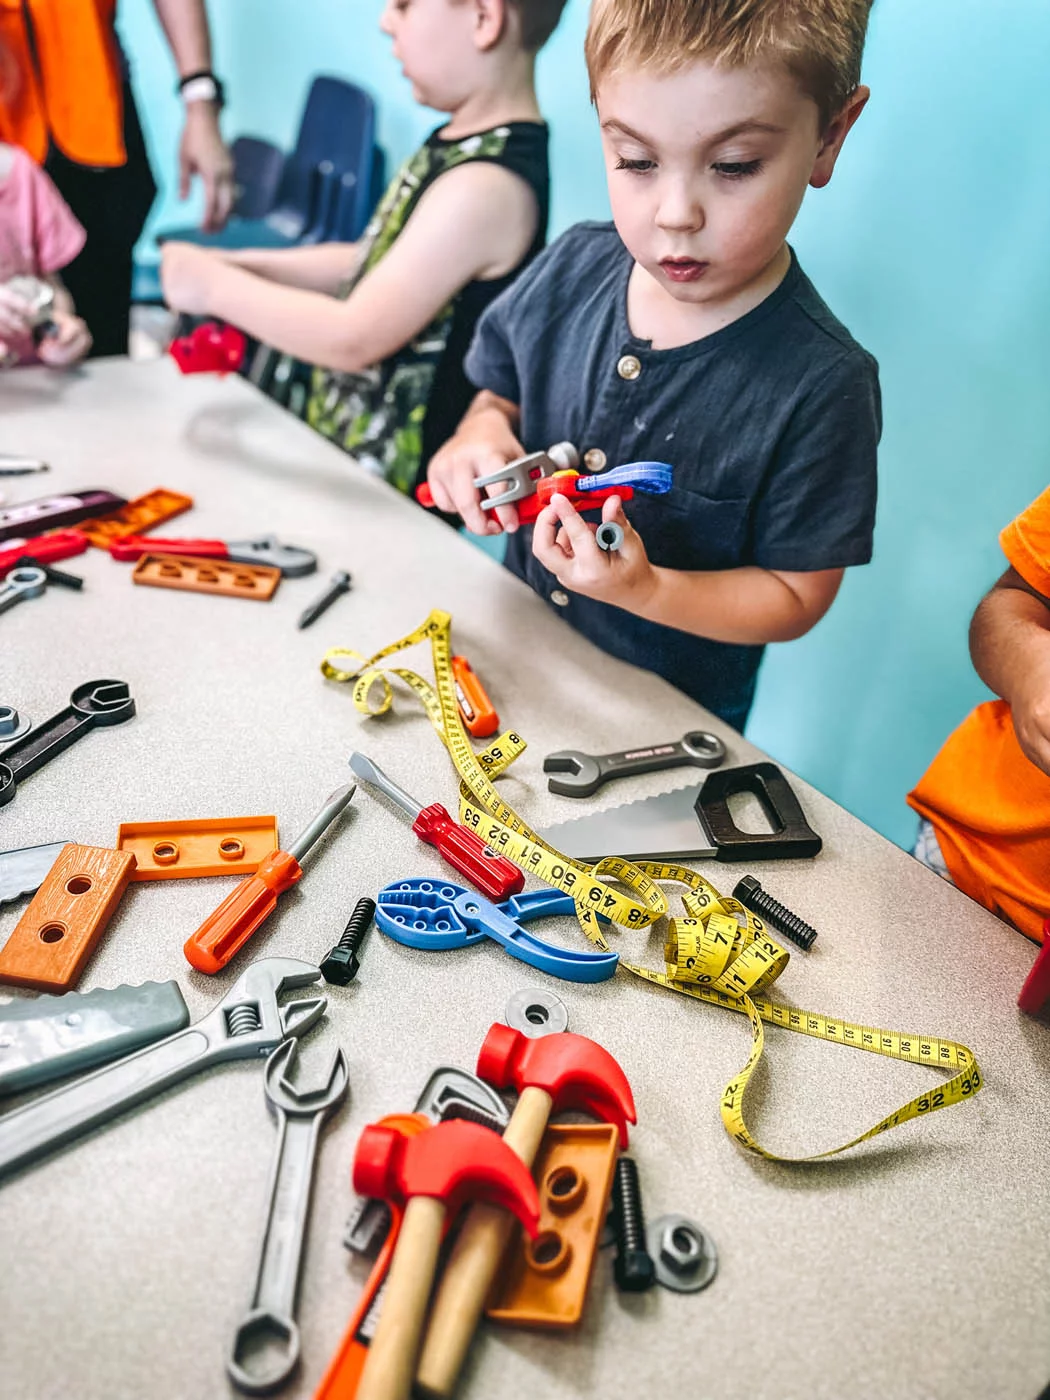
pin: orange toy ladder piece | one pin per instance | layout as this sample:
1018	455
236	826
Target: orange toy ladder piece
137	516
66	917
257	581
185	849
543	1282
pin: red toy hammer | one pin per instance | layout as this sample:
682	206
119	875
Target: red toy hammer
438	1172
551	1072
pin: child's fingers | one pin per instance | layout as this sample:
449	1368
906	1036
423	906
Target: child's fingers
507	517
612	509
576	535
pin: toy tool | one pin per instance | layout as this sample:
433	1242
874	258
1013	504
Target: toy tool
436	1173
13	464
475	708
247	1023
49	512
45	549
551	1073
432	915
135	516
93	703
21	584
56	576
224	932
520	476
464	849
695	822
181	571
582	774
340	584
292	561
203	847
590	492
1035	994
22	871
209	348
65	918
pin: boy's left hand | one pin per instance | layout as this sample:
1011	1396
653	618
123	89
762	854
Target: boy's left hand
564	543
68	343
187	277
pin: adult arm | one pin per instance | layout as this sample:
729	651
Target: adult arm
1010	647
202	150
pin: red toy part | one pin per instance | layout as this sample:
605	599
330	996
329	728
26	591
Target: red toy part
45	549
209	349
1035	993
129	548
563	484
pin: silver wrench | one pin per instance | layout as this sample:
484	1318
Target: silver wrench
522	474
21	584
247	1023
582	774
269	1331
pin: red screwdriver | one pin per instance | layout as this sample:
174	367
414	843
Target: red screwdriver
494	875
229	927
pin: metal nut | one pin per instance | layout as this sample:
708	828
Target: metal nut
686	1259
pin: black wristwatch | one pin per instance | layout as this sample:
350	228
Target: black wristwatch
202	86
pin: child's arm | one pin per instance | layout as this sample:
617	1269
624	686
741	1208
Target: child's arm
748	606
1010	647
475	221
319	267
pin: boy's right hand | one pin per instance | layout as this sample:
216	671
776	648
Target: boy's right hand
483	444
15	318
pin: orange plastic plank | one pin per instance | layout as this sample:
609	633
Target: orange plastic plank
136	517
207	576
66	917
191	849
543	1282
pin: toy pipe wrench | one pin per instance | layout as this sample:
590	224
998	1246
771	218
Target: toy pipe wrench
292	561
520	476
45	549
590	491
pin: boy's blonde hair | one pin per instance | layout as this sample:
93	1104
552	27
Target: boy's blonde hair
820	42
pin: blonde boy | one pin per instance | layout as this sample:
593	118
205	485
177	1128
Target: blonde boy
687	332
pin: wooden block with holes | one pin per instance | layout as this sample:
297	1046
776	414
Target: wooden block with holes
66	917
207	576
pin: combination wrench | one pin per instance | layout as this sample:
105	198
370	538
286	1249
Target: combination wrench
20	584
582	774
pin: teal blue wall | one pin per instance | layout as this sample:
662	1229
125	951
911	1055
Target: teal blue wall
932	244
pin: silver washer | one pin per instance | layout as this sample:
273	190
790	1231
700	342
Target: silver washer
12	725
686	1259
534	1011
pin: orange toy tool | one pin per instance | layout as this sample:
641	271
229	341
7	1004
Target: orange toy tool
475	707
227	930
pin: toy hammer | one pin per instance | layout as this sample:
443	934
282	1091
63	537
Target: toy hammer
437	1171
552	1072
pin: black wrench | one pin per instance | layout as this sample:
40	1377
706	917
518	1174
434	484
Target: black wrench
93	703
584	773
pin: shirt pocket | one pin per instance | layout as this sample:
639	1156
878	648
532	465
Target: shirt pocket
690	530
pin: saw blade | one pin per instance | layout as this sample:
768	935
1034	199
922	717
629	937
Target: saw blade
665	826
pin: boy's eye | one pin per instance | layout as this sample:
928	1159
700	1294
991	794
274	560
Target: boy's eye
737	169
640	166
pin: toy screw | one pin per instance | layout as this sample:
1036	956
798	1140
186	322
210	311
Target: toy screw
340	965
633	1268
778	916
339	585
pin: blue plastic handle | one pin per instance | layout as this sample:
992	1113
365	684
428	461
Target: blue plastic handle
652	478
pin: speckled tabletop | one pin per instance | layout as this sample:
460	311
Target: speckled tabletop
913	1268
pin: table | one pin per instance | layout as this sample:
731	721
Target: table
913	1268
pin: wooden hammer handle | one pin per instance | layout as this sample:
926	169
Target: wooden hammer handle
392	1356
475	1260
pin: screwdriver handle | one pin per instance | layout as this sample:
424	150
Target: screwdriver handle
229	927
494	875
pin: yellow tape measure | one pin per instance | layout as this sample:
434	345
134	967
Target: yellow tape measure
721	952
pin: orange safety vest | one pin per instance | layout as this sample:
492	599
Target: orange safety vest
63	72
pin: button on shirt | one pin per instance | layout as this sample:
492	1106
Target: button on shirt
771	425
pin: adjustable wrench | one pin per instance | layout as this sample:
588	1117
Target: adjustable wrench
520	476
581	774
271	1317
247	1023
21	584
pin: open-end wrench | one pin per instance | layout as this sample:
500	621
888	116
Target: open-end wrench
247	1023
581	774
93	703
20	584
448	1093
269	1334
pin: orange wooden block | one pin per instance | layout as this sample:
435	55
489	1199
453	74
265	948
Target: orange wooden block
212	846
136	517
207	576
66	917
543	1282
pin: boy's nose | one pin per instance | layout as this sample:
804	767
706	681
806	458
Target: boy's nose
386	19
679	208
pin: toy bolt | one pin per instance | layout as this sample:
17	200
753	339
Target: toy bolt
778	916
340	965
339	585
633	1268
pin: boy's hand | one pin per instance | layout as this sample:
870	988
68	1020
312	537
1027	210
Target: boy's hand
483	444
187	277
68	343
15	323
564	543
1030	710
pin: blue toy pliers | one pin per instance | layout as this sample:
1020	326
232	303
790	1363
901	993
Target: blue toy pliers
434	914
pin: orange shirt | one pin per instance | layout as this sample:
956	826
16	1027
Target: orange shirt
65	80
990	805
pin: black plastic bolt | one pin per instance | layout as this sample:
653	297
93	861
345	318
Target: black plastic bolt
633	1268
53	575
339	585
778	916
341	964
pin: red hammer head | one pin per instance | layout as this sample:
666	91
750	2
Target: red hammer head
454	1161
575	1071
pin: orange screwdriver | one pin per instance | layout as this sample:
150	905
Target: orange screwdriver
229	927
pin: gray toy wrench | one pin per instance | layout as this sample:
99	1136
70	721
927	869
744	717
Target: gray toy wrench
246	1024
581	774
271	1317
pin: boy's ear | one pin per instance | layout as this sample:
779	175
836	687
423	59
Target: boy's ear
490	23
834	136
